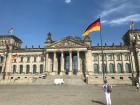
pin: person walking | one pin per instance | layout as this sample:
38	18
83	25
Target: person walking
137	86
107	90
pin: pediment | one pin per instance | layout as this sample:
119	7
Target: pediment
67	44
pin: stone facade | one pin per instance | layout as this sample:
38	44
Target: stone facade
71	58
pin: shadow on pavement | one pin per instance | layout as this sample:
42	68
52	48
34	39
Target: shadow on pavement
99	102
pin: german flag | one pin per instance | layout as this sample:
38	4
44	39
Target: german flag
95	26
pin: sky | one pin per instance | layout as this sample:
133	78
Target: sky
32	20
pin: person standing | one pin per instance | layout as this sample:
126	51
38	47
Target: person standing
107	90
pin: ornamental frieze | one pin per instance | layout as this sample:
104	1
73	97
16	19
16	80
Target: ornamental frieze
66	44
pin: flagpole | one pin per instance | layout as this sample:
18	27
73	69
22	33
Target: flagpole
103	70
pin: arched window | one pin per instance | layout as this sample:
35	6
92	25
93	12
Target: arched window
96	68
21	69
34	69
111	68
41	68
14	69
27	69
119	67
127	68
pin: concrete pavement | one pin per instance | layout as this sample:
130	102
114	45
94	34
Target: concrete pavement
65	95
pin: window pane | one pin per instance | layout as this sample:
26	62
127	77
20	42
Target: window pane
34	69
14	69
41	68
111	67
104	68
96	68
110	56
128	68
95	57
118	56
21	69
126	57
27	69
119	66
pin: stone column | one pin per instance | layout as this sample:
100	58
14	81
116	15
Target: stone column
133	62
99	63
46	64
89	65
38	68
54	64
115	63
31	69
123	64
70	63
62	63
79	62
49	63
107	65
18	68
8	63
24	69
138	60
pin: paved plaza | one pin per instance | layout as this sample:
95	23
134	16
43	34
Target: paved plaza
66	95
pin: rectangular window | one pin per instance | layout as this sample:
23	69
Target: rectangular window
34	59
119	57
28	59
95	57
126	57
110	56
103	56
21	59
42	58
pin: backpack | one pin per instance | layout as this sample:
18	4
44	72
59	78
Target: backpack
109	89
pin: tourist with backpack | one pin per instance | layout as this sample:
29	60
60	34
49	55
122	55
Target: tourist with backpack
107	90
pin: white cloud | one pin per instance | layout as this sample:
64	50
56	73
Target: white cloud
112	10
125	20
67	1
119	12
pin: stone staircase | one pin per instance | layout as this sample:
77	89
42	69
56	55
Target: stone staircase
49	80
68	80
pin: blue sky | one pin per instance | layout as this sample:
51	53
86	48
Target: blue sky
33	19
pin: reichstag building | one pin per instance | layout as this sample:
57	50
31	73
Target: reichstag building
71	58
